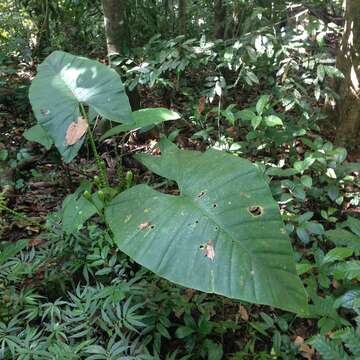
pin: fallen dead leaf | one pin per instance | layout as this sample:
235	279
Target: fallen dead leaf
209	250
76	131
243	313
36	241
306	351
201	106
179	313
189	293
231	130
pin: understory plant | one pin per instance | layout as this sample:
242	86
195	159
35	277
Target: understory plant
219	236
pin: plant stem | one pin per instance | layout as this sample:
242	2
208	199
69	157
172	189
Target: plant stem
104	182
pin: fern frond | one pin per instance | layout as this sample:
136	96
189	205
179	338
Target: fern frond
351	341
329	350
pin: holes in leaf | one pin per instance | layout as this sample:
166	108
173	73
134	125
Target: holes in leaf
193	224
45	112
152	227
215	205
256	210
201	194
208	250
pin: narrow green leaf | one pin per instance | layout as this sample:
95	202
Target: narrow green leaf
246	115
256	121
261	103
343	237
332	71
321	72
183	331
273	120
143	118
348	270
354	225
339	253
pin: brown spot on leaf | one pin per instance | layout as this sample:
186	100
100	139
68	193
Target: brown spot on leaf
76	130
144	225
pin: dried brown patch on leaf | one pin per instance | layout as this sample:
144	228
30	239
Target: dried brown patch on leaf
144	225
76	130
208	250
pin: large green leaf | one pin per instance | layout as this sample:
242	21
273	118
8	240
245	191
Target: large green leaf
37	134
76	209
224	203
62	83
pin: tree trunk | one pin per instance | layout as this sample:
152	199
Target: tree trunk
348	61
43	37
232	25
182	17
118	37
220	19
116	26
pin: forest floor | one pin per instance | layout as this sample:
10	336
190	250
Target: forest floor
37	182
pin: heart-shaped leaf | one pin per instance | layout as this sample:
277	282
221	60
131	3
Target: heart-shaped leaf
62	83
223	234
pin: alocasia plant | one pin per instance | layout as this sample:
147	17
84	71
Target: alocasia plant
223	234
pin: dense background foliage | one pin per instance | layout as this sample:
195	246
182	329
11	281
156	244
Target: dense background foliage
254	78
